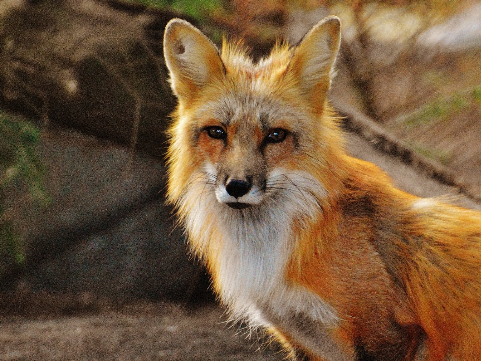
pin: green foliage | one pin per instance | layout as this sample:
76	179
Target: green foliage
477	93
19	166
195	8
11	250
441	109
441	156
18	156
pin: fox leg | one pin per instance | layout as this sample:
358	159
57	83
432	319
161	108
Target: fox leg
295	352
286	343
300	355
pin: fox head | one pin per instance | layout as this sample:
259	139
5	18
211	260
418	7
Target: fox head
245	133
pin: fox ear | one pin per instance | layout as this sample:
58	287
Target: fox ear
192	59
312	63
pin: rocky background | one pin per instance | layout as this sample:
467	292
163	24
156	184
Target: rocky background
90	74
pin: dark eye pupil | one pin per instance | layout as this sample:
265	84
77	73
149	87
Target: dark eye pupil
216	132
276	136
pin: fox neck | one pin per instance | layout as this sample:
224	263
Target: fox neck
247	252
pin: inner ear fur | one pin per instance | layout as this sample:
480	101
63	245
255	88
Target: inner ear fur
192	59
313	60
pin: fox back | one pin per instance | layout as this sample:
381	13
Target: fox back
300	238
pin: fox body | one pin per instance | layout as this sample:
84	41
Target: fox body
300	238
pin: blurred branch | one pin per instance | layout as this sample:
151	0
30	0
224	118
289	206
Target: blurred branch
384	35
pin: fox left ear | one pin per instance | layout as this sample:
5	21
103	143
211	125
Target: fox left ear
192	59
312	63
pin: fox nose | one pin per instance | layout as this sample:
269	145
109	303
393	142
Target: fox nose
238	187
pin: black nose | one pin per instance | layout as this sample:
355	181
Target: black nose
237	187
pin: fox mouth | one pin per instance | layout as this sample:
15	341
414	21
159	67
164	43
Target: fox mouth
239	201
238	205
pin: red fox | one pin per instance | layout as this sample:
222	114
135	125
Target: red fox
300	238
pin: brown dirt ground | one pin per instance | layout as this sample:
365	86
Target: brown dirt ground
143	331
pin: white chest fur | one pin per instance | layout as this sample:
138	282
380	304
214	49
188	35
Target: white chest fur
252	283
252	266
253	248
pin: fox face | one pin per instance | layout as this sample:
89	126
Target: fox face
251	131
243	148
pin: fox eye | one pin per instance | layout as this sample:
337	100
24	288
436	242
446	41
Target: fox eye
277	135
216	132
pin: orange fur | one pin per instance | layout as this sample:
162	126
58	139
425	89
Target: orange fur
316	246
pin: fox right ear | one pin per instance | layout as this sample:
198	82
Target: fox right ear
192	59
312	63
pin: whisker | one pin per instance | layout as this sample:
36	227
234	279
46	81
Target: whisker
305	186
317	160
204	178
296	186
311	192
211	180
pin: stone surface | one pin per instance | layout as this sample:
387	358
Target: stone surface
107	230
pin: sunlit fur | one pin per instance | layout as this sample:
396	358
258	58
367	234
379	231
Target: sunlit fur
336	262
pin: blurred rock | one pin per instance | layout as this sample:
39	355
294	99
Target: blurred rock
95	66
91	65
107	230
